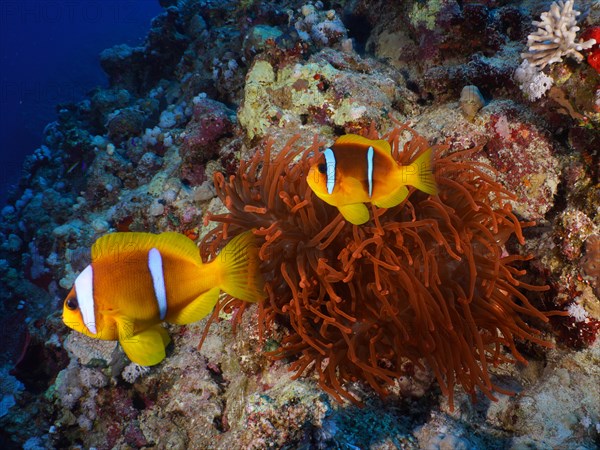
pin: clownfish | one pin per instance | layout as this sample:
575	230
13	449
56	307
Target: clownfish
136	281
357	170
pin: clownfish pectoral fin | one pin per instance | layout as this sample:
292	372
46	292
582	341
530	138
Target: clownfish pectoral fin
145	348
197	309
393	199
355	213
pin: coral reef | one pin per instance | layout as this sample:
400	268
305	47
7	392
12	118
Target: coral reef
211	84
330	89
554	39
210	121
322	28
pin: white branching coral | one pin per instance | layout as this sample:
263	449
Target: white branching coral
555	37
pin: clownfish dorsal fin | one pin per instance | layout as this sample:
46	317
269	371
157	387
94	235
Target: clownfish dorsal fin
380	145
124	245
145	348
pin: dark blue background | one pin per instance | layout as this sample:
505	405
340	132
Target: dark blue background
49	54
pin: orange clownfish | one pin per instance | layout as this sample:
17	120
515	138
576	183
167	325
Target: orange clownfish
357	170
138	280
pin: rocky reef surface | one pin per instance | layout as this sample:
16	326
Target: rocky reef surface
212	82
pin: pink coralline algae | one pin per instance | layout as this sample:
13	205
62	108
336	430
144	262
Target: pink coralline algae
580	329
116	402
574	227
590	263
211	121
524	156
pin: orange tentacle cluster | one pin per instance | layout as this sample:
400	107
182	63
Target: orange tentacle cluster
428	281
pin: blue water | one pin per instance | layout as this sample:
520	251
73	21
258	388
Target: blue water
49	54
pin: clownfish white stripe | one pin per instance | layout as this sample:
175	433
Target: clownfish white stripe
370	170
84	287
330	163
158	281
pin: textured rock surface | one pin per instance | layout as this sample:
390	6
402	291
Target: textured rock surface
210	83
331	89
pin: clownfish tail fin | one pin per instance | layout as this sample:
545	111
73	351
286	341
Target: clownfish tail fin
240	272
421	175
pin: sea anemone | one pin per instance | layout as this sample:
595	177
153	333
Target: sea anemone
428	281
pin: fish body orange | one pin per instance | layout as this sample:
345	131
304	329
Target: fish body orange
357	170
136	281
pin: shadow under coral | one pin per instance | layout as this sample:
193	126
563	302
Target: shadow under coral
428	281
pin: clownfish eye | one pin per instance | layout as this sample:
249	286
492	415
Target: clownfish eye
71	303
322	168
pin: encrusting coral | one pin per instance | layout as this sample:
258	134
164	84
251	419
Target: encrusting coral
427	281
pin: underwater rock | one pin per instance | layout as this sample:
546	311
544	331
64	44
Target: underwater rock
124	66
138	69
9	388
445	45
87	351
523	153
104	102
147	166
573	228
525	157
319	27
211	121
560	409
444	432
590	263
125	123
257	39
324	91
